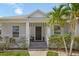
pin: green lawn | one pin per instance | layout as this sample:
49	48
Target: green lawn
14	53
50	53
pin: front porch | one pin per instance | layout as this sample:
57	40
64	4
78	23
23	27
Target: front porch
37	33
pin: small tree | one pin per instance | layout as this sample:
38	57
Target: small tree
74	13
57	16
56	41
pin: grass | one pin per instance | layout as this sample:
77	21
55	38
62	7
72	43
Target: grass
50	53
14	53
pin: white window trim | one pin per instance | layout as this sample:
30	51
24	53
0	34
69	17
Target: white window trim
15	31
58	30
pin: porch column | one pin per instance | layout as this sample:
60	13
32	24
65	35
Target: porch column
27	33
48	34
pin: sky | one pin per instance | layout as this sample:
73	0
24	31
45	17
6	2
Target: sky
16	9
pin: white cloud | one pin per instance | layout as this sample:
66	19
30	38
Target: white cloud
11	3
1	16
19	11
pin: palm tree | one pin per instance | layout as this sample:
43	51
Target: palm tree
57	16
74	12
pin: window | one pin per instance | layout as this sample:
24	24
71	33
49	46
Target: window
57	29
15	31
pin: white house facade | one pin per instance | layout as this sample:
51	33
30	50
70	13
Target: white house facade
32	27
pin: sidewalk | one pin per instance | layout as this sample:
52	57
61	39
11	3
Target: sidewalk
38	53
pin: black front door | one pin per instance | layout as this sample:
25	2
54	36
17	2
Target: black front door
38	33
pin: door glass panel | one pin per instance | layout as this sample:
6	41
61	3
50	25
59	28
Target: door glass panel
38	33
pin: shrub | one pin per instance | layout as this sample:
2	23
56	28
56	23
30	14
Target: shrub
2	44
55	41
23	42
76	43
77	39
6	38
12	40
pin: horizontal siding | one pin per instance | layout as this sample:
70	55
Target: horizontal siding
7	29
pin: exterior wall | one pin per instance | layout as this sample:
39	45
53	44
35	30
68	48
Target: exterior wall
52	30
7	29
48	34
66	28
77	30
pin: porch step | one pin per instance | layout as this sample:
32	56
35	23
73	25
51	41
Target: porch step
38	45
33	49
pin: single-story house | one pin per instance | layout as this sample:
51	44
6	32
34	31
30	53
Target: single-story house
33	27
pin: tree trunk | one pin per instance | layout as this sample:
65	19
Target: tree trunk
71	45
73	24
65	46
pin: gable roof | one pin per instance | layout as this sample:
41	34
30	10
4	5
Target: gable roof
37	13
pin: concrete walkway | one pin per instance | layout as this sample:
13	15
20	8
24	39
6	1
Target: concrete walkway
38	53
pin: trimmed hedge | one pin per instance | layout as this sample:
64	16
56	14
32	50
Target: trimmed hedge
55	41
